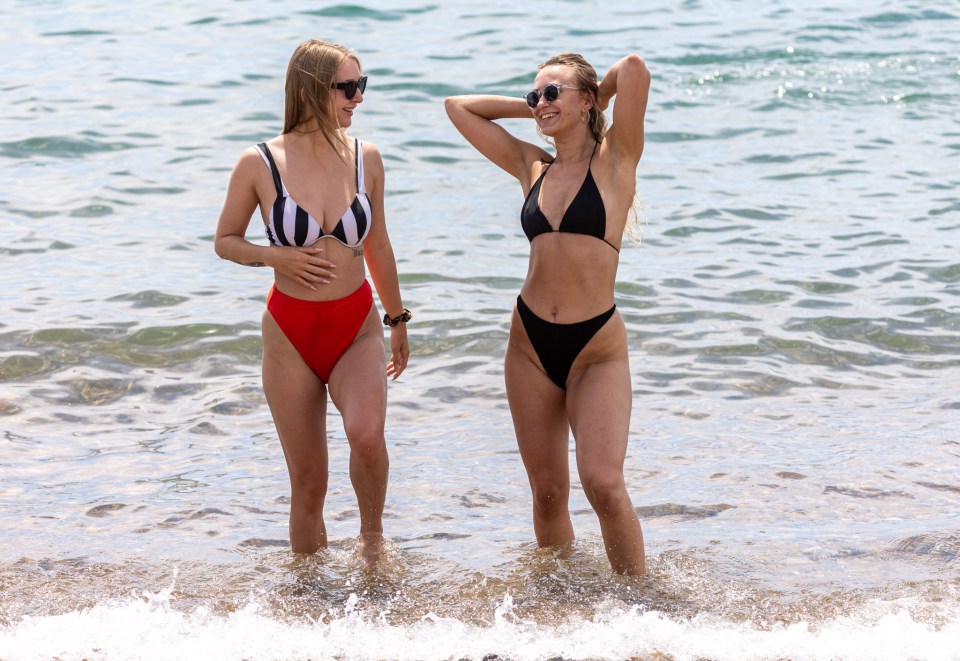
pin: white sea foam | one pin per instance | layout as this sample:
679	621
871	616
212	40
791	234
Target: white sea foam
151	627
792	323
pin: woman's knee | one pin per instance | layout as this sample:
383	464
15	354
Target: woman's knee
606	495
366	442
308	490
550	497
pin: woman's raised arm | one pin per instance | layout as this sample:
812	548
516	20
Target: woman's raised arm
474	116
629	80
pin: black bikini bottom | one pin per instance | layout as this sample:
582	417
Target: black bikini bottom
558	345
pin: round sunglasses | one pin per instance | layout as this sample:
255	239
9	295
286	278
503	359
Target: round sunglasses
551	93
350	87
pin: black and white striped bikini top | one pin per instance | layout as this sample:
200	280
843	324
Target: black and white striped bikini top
291	225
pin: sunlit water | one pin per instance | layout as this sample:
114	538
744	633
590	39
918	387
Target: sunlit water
793	319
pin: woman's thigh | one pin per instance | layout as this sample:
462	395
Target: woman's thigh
298	402
599	401
358	382
537	409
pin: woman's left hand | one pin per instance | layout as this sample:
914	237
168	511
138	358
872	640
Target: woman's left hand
399	350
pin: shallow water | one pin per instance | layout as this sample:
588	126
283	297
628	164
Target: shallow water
793	320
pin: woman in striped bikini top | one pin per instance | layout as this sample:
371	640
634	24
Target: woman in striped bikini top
289	224
322	333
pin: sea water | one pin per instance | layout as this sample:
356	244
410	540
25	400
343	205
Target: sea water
792	313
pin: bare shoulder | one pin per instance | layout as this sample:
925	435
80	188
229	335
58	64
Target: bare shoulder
535	159
370	150
534	154
371	156
250	164
275	144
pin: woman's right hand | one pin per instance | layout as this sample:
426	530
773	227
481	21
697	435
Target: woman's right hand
305	266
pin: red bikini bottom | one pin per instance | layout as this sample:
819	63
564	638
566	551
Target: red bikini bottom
321	331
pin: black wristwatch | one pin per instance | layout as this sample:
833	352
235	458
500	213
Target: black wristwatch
404	316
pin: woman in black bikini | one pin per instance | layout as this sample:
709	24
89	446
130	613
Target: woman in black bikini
566	361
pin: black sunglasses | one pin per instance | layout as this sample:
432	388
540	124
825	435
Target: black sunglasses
551	93
350	87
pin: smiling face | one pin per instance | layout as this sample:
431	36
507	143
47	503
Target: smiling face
567	110
312	102
344	107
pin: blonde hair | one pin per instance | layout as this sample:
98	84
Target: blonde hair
636	218
309	93
585	77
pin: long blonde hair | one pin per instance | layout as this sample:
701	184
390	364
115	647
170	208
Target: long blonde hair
585	77
309	94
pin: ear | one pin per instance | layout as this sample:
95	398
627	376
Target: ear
587	102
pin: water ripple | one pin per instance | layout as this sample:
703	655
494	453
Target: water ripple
60	147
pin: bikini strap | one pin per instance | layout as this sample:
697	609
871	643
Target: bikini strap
268	157
361	185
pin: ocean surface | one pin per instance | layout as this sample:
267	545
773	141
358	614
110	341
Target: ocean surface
793	315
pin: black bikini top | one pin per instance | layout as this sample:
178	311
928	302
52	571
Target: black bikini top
585	215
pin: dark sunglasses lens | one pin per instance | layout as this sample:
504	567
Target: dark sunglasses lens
533	98
350	87
551	92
